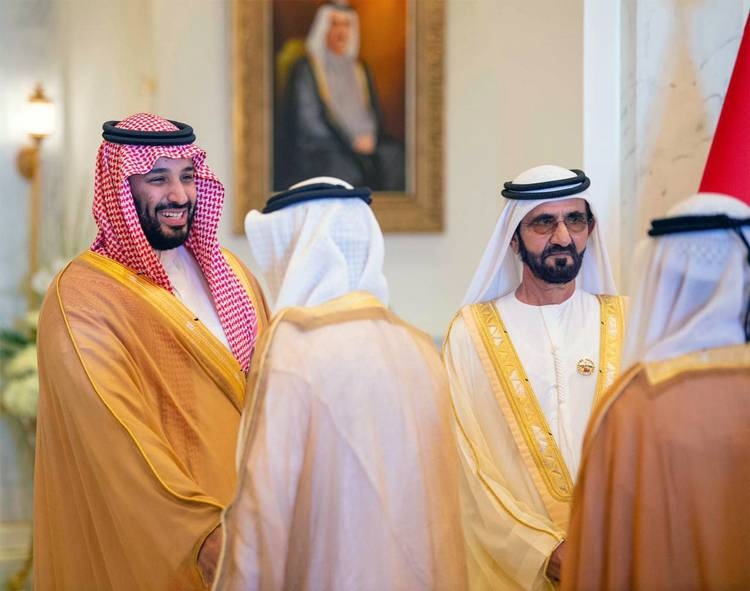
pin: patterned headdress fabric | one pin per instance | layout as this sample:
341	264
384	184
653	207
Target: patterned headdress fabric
121	237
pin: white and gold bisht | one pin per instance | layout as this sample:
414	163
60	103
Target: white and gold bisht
524	380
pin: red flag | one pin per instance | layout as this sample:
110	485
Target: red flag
728	166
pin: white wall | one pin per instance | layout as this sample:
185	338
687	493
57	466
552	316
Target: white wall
107	67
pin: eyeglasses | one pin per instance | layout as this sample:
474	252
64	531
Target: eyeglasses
575	222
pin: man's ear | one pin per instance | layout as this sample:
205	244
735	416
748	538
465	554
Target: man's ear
514	243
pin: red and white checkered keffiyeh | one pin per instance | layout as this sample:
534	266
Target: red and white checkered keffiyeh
121	237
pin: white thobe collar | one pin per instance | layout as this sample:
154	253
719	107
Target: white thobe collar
191	288
550	341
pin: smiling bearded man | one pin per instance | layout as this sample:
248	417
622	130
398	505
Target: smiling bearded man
144	345
166	216
535	345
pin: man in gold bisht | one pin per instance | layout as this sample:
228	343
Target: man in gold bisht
535	345
662	498
347	459
144	344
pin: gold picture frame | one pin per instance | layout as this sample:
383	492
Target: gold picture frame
417	209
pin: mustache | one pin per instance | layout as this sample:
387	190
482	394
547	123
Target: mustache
556	249
162	207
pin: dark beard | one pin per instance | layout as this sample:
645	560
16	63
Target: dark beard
157	238
561	271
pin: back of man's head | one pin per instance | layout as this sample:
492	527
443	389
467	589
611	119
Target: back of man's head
316	242
693	280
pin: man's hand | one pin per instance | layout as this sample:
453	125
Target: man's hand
208	555
554	566
364	143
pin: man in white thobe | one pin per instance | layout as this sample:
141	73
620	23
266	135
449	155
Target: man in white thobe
348	476
535	345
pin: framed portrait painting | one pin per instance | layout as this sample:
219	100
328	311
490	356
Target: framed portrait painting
352	90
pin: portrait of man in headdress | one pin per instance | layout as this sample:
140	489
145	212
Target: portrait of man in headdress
331	117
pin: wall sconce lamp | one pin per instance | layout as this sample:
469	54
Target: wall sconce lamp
38	121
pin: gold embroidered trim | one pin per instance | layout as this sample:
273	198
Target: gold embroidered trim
180	316
612	321
196	499
488	487
528	414
732	357
477	471
357	305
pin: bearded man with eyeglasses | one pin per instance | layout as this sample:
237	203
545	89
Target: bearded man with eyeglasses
528	356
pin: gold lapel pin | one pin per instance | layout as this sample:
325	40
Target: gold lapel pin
585	366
